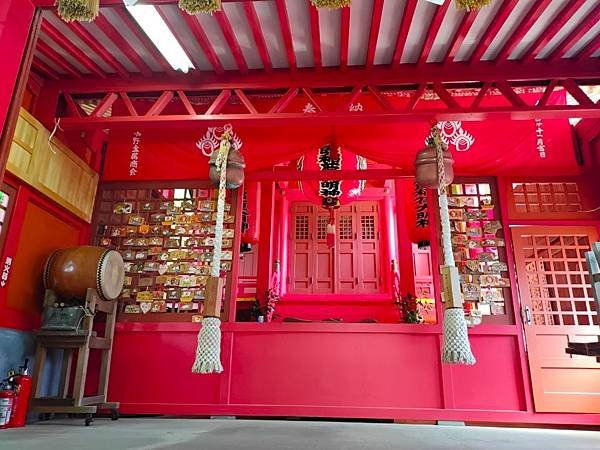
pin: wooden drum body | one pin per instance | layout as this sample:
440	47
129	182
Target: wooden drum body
71	272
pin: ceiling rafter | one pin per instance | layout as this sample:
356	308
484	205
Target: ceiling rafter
432	32
57	59
89	40
407	17
344	37
57	37
534	13
589	49
114	35
316	36
232	41
492	30
459	36
203	42
259	37
580	30
284	23
374	31
559	21
132	25
44	69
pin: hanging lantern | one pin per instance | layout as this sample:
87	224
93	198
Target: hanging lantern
331	194
200	6
426	167
417	212
81	10
251	213
331	4
472	4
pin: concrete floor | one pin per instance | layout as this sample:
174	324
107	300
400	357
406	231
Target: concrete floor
163	433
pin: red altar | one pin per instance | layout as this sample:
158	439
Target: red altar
337	346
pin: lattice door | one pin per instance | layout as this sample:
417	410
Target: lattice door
558	307
346	246
302	248
368	247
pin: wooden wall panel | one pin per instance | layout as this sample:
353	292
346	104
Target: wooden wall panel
52	169
41	234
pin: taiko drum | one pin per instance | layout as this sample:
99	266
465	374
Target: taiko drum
71	272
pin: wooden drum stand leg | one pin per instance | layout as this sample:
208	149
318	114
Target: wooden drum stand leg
82	341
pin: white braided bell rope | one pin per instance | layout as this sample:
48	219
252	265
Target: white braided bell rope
208	351
456	348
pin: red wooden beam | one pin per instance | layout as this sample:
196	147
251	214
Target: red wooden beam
133	26
576	92
559	21
344	37
353	96
73	107
416	96
284	23
284	101
523	27
507	91
461	75
492	30
160	104
311	96
203	41
259	38
105	104
296	175
114	35
432	32
245	101
128	104
580	30
219	102
456	42
61	40
234	45
526	112
444	95
589	49
380	99
186	102
481	94
374	31
57	59
547	92
44	69
89	40
407	17
316	35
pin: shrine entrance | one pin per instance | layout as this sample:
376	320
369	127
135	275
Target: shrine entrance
558	307
351	266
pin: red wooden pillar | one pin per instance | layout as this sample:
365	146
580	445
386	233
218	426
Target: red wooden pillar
265	247
405	258
17	33
284	241
391	232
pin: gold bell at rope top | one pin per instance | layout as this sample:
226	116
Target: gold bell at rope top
427	170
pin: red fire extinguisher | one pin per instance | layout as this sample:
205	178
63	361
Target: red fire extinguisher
22	383
7	400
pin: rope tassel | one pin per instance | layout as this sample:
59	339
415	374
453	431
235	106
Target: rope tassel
208	352
456	349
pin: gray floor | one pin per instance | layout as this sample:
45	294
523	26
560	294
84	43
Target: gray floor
267	435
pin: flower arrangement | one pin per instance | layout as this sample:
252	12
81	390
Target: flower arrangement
268	309
472	4
200	6
82	10
331	4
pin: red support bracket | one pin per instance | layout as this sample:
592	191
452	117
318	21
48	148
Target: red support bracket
104	105
311	96
444	95
547	93
510	94
380	99
127	102
186	102
284	101
416	96
353	96
245	101
219	103
160	104
73	107
576	92
484	90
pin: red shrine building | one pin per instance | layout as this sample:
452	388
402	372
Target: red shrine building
332	301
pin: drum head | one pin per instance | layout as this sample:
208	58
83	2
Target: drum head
111	275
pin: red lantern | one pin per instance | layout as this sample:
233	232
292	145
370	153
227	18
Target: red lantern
331	194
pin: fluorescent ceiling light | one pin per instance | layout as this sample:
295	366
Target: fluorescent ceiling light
159	33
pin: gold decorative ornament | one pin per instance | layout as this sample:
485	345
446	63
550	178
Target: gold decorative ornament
472	4
331	4
81	10
200	6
